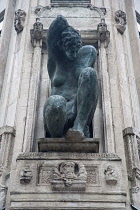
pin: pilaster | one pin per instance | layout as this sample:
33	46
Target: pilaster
36	40
5	38
103	42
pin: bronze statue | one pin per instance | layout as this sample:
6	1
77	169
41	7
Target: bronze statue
74	86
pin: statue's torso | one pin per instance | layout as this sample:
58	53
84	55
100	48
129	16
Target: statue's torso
64	81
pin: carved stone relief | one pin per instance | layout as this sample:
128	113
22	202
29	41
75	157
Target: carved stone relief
92	175
19	20
103	33
44	174
69	176
111	175
120	18
25	175
37	33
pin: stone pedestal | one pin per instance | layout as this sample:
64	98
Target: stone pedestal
68	180
67	145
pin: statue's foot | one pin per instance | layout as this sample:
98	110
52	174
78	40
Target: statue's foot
75	135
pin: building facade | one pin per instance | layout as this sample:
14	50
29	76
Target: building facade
111	164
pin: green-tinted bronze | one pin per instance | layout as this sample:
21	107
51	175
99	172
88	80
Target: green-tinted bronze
74	85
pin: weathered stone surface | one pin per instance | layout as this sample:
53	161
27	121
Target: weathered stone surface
72	173
67	145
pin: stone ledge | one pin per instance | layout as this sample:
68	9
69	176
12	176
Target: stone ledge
64	145
68	155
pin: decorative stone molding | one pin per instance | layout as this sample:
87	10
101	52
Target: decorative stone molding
3	191
7	130
37	33
69	176
103	33
19	20
111	175
7	135
71	1
134	189
53	155
39	9
45	175
101	10
25	175
131	141
120	18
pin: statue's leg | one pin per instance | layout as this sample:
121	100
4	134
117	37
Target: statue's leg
87	97
55	115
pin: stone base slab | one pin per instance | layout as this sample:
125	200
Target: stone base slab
91	169
65	145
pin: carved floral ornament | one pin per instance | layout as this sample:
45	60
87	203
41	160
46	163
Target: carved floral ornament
19	20
120	18
69	175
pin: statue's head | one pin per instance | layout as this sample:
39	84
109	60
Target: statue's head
71	42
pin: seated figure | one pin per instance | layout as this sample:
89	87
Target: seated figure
74	86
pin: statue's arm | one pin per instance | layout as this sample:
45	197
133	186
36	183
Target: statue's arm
51	67
53	38
54	34
86	57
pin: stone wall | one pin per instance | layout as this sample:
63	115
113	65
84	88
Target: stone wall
25	83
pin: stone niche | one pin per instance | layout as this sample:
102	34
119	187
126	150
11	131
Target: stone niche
81	17
68	180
